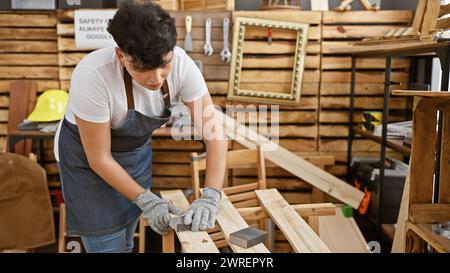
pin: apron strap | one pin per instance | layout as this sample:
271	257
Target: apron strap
166	93
129	90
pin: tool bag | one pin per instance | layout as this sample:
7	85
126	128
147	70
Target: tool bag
26	214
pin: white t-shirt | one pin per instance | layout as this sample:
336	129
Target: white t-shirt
97	91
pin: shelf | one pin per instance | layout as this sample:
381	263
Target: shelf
439	243
396	145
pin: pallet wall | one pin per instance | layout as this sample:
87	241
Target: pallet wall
27	51
338	29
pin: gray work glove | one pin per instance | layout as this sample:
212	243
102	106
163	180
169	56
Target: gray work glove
203	211
156	210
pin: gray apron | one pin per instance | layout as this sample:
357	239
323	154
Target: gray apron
93	206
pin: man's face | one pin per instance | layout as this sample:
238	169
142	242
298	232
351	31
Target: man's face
152	79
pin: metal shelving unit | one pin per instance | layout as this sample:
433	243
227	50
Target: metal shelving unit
441	49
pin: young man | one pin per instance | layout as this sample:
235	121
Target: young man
118	97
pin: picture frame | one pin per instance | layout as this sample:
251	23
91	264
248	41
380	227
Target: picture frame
292	97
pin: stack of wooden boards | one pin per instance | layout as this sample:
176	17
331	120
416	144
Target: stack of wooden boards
28	50
340	29
430	18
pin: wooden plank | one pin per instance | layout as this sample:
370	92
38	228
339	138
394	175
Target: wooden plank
444	179
333	131
230	221
27	20
252	33
399	243
342	234
362	77
28	34
304	210
340	145
311	61
382	16
429	213
277	76
28	47
285	159
22	98
443	23
418	16
308	88
366	103
40	72
354	32
425	231
297	231
29	59
445	9
430	16
309	17
362	63
191	242
422	155
335	89
276	48
41	85
330	116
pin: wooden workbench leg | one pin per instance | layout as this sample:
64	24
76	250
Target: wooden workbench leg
62	229
142	234
168	242
444	179
422	154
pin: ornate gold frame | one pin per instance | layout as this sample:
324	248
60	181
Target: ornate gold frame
234	91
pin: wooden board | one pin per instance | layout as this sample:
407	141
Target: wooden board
230	221
301	168
302	238
191	242
341	234
360	17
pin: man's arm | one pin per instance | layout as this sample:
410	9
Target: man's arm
213	135
96	140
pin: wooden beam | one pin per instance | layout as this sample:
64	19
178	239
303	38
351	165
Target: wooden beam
230	221
444	180
418	16
399	243
302	238
341	234
423	148
430	17
429	213
304	210
293	163
191	242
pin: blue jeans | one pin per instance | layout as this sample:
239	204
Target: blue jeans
118	242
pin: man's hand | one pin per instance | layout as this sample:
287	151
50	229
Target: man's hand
156	210
203	211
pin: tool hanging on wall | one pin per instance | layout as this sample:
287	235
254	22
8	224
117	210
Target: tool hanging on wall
225	55
208	49
188	37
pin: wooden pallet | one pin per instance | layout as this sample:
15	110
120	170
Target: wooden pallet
203	5
27	51
338	31
299	234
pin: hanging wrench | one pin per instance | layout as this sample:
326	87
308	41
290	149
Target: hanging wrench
225	55
209	50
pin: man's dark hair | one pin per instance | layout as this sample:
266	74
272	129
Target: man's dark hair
145	32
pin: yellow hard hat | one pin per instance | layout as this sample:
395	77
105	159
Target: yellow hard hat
50	106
